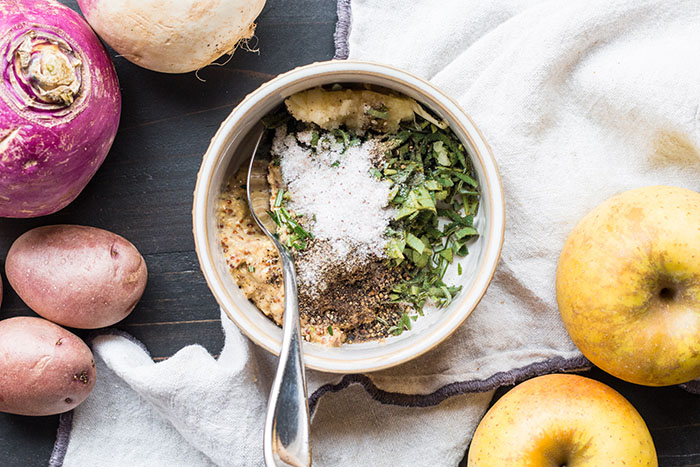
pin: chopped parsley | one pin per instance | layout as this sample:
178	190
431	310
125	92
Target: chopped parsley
381	320
382	113
296	235
314	138
404	323
437	196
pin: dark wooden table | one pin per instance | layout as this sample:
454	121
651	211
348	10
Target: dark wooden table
143	191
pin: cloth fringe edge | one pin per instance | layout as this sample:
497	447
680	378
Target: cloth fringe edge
342	30
60	447
504	378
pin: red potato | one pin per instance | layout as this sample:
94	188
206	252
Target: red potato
77	276
44	369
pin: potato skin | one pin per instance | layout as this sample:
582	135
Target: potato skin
44	369
77	276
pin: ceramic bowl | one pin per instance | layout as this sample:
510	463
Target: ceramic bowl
232	146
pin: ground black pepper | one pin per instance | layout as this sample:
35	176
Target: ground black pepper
356	301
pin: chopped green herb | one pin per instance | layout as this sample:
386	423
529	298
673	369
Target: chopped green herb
433	185
415	243
335	164
441	153
418	199
341	136
447	254
296	234
274	218
437	197
466	231
330	330
459	269
395	249
279	197
314	138
382	113
403	324
466	178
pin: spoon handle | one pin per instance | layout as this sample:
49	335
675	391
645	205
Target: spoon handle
286	441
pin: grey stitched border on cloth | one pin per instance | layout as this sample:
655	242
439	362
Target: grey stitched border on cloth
342	30
65	423
504	378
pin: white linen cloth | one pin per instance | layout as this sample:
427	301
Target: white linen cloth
579	100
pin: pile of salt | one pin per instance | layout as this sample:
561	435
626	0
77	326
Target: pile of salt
332	185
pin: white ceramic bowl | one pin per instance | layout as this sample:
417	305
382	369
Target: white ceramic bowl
231	147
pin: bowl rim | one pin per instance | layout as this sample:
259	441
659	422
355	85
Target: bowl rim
431	337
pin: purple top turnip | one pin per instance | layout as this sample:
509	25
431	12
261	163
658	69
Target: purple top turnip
59	106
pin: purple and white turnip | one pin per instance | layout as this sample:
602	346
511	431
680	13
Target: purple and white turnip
59	106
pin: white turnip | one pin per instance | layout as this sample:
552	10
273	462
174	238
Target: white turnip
172	36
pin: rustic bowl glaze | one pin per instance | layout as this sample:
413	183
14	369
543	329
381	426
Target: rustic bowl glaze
231	147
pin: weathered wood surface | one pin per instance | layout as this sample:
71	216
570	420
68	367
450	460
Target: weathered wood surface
144	192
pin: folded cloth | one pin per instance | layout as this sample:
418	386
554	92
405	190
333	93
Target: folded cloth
578	100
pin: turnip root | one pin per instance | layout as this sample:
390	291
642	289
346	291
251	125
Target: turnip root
59	106
172	37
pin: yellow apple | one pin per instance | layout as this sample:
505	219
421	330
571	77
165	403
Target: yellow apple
628	285
562	420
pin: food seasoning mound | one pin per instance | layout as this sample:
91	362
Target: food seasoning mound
356	303
331	185
357	198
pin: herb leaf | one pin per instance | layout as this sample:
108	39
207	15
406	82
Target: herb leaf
403	324
381	113
437	196
296	234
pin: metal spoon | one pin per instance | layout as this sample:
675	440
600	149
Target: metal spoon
286	441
